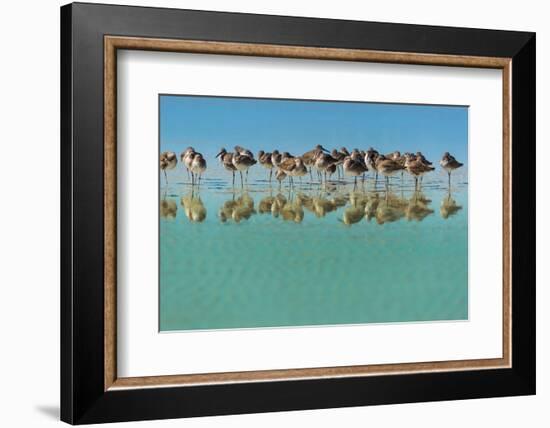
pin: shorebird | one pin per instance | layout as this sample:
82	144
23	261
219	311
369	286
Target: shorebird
331	169
421	157
339	158
387	167
449	164
322	162
242	163
276	158
198	166
168	160
280	175
300	169
416	168
354	168
287	166
265	161
226	160
183	155
293	167
187	157
370	161
310	156
244	153
357	156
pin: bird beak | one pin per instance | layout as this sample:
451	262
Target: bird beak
325	150
219	154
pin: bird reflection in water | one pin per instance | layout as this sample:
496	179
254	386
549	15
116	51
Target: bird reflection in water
237	209
356	211
292	210
168	208
449	207
418	208
193	207
390	209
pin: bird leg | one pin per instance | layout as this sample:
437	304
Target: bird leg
165	176
233	172
355	183
449	173
242	183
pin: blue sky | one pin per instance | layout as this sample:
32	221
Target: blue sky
208	123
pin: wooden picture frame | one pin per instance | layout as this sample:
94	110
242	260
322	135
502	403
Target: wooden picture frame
91	390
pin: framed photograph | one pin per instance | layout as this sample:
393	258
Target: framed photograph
265	213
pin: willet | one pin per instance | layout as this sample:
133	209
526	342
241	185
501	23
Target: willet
265	161
331	169
357	156
287	165
245	153
310	156
276	158
370	161
416	168
339	158
168	160
322	162
198	166
187	157
387	167
242	151
227	161
280	175
354	168
449	164
183	155
242	163
421	157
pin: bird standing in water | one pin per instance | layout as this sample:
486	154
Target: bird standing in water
354	168
449	164
168	160
198	166
265	161
226	160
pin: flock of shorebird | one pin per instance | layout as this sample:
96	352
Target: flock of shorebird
342	162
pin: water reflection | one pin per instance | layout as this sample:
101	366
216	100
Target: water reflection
193	207
237	209
168	208
449	207
418	208
351	206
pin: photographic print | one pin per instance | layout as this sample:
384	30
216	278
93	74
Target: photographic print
288	212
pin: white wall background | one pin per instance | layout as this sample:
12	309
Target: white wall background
29	222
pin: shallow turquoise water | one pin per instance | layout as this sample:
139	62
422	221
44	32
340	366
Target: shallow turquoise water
268	257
